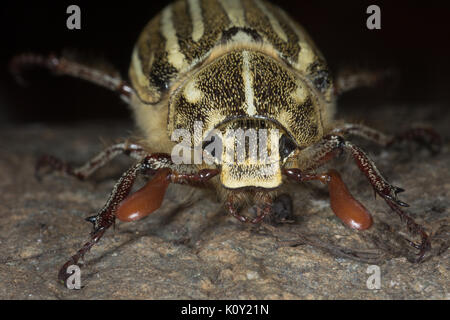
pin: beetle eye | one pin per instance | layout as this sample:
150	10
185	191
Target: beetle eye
286	146
322	80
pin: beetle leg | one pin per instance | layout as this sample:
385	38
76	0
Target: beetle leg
106	217
262	213
193	179
63	66
54	164
156	163
423	135
348	79
264	207
229	204
343	204
333	145
150	197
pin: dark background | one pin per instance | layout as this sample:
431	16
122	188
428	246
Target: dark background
414	39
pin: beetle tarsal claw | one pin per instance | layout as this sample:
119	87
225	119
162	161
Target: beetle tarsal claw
401	203
399	190
413	244
91	219
423	248
396	200
392	196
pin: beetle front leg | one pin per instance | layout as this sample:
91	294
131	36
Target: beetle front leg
54	164
333	145
106	216
343	204
139	204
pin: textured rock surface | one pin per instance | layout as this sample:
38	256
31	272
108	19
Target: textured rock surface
196	250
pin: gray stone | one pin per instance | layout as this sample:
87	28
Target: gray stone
196	251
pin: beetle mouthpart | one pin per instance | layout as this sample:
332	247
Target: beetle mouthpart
345	206
146	200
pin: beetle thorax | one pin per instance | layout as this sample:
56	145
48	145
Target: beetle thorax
247	84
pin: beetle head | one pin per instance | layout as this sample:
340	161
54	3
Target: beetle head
250	152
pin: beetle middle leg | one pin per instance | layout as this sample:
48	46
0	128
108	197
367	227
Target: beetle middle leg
333	145
427	136
83	172
119	204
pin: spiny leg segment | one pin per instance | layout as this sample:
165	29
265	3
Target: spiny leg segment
51	163
105	218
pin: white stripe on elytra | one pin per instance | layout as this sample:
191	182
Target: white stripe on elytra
197	19
174	55
273	21
234	11
137	67
248	84
306	56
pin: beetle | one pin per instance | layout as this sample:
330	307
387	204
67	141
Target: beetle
231	65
